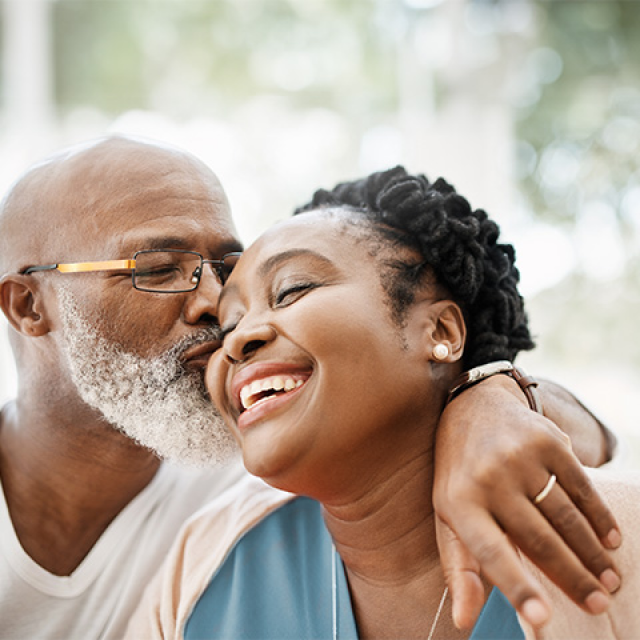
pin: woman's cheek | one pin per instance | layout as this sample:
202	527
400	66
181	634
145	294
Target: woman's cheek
214	379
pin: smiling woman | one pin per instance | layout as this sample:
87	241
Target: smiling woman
345	330
320	316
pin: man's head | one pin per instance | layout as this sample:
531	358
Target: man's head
135	357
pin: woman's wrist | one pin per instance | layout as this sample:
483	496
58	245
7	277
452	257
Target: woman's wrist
528	384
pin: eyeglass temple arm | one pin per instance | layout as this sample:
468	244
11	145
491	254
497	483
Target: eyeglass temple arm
46	267
76	267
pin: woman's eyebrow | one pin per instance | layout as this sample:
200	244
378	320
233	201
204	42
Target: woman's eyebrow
274	261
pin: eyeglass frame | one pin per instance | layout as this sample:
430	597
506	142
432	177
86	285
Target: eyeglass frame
115	265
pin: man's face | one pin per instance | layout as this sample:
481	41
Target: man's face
153	400
135	356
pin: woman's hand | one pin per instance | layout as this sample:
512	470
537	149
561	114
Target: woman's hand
493	456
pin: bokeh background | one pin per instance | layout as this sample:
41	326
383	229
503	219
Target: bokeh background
531	109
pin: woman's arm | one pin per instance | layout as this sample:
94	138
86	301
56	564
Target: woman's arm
590	439
493	456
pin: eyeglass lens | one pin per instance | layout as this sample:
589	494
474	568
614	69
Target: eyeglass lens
166	270
176	270
226	265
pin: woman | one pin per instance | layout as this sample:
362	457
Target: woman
342	341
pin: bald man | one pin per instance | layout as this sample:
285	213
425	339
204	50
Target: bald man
110	361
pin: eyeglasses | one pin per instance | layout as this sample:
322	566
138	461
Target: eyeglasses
155	271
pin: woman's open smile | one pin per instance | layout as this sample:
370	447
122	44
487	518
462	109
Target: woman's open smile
262	388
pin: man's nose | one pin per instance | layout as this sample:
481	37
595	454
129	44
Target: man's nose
201	306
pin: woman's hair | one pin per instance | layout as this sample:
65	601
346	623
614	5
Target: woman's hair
458	245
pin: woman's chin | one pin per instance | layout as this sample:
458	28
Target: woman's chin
266	465
286	472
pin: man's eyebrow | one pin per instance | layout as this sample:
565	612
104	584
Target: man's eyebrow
165	242
271	263
175	242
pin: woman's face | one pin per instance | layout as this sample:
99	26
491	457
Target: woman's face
319	385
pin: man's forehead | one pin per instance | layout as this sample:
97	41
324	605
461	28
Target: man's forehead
210	236
96	199
137	222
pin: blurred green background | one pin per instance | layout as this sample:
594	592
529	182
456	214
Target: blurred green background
531	109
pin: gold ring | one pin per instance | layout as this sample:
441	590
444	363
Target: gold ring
546	491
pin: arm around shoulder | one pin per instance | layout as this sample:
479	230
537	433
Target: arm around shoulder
591	441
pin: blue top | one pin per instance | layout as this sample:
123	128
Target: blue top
276	583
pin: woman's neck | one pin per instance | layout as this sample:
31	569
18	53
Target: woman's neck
386	539
388	531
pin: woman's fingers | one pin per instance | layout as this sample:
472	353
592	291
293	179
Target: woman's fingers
493	457
494	555
570	554
558	535
575	481
577	532
462	574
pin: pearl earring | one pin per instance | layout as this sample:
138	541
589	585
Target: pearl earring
440	351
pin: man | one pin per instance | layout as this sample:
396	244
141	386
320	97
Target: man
110	361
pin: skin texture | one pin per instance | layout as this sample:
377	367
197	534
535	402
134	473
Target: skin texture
284	315
66	473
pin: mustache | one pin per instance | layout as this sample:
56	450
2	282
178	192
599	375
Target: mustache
212	333
168	368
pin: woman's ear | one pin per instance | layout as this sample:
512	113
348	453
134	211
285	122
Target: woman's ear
22	304
447	331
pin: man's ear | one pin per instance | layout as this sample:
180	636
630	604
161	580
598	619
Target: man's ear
447	328
22	304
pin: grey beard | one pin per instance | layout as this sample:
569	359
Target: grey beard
153	400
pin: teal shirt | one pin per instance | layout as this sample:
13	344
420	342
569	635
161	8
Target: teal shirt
276	583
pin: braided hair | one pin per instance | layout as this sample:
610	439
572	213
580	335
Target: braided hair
457	244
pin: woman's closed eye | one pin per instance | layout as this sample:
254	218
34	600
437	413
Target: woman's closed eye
289	293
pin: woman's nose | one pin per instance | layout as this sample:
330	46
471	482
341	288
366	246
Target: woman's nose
245	340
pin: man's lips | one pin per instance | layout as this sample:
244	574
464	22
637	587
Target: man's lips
197	357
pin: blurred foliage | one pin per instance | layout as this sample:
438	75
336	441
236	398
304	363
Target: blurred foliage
160	53
585	127
578	168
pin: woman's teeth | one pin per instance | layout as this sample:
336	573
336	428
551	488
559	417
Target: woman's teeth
260	390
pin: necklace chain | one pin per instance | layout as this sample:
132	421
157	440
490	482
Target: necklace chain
438	612
334	599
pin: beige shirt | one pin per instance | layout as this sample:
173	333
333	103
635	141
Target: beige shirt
200	549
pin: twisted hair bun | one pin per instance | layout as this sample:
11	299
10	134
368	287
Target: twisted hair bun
459	244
